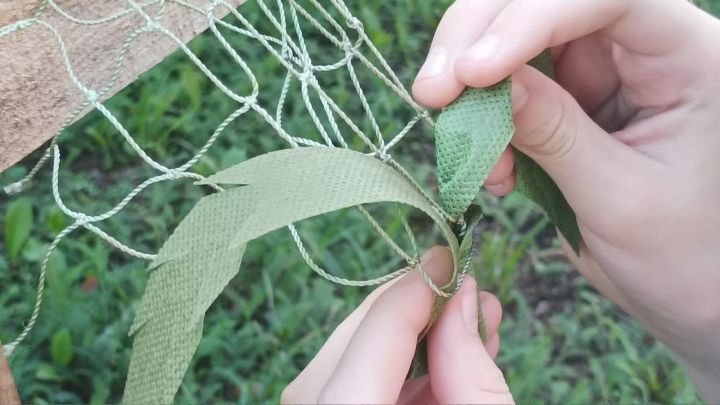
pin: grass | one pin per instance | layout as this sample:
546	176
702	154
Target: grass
562	342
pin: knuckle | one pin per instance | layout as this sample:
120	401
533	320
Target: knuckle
555	135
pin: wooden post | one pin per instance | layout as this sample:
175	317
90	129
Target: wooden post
8	391
36	93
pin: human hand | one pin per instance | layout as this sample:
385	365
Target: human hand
367	358
630	133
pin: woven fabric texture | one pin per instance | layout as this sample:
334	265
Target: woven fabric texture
189	273
205	251
470	136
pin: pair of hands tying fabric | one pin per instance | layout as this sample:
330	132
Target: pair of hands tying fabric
630	133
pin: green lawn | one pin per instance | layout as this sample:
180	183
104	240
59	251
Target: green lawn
561	341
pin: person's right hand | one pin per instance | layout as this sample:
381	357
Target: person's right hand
631	135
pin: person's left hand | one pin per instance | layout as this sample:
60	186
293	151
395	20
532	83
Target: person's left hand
367	358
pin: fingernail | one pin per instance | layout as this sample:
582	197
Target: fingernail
520	96
427	257
437	263
485	49
501	189
470	311
435	64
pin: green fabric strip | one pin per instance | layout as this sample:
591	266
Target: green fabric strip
470	136
191	269
294	184
205	251
535	184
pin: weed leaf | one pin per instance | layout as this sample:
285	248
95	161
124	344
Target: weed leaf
18	223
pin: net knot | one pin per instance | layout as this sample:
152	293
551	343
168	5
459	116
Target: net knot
152	25
348	47
307	75
354	23
92	96
424	114
82	219
174	174
14	188
383	155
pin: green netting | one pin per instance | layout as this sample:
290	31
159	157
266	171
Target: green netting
328	25
205	251
319	172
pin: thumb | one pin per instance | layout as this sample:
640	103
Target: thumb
460	368
579	155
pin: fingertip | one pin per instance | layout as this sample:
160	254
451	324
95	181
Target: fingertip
460	365
493	346
376	359
412	293
504	188
503	168
438	263
490	304
491	310
473	73
435	251
458	317
437	92
469	285
460	27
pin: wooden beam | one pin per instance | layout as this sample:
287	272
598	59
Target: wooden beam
36	93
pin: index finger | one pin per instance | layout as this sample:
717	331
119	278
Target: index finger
377	359
462	25
308	384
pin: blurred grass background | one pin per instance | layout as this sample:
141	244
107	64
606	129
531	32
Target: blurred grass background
561	341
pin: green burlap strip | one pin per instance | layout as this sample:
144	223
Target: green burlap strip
470	136
205	251
277	189
535	184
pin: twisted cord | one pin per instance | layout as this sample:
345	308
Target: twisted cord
291	51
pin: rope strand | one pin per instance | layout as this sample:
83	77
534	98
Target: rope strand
289	46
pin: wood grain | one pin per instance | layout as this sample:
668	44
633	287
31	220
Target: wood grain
36	93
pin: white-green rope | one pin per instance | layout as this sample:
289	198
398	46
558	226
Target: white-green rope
289	47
